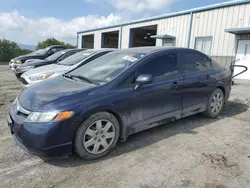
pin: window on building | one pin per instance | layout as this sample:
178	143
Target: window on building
195	62
168	42
203	44
164	65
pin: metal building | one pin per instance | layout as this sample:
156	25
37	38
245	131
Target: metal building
220	30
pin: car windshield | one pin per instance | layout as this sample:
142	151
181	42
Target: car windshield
40	52
55	56
105	68
76	58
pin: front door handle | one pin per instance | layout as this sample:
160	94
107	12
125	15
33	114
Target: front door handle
175	85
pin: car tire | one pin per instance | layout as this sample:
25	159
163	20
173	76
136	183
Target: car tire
100	130
215	103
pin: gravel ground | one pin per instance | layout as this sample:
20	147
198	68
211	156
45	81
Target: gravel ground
192	152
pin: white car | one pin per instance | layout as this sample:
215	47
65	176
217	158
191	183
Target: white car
40	74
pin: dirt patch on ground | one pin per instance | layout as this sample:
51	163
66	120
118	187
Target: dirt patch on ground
218	160
212	185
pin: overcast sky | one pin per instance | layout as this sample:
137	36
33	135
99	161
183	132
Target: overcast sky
30	21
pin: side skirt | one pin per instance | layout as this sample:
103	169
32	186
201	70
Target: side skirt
153	122
164	119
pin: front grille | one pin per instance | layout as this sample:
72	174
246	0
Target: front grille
23	81
20	110
22	114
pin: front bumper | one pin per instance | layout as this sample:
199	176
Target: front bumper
25	86
43	139
57	151
26	83
12	66
18	73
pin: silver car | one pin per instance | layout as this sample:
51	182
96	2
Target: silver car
37	75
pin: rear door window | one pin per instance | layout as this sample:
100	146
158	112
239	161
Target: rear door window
194	62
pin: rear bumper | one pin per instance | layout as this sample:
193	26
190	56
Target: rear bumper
228	91
227	95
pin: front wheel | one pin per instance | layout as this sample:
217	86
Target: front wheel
215	103
97	136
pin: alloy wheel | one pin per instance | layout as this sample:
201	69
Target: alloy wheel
99	136
217	103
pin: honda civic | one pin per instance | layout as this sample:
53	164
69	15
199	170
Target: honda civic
89	109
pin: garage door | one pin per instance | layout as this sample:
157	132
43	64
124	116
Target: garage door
243	55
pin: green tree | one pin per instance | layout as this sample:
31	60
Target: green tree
24	51
69	45
52	41
8	50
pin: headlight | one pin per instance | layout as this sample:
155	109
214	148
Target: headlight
18	62
40	77
48	116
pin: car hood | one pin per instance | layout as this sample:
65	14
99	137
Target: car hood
33	62
25	57
59	90
49	68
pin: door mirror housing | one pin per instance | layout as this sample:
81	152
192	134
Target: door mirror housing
143	79
50	53
60	59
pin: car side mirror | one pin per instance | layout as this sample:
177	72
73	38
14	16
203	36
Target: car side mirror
142	80
50	52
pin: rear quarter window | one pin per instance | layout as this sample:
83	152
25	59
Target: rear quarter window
194	62
216	65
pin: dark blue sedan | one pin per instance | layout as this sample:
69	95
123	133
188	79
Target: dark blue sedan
90	108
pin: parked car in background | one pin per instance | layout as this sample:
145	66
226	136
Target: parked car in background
38	54
53	59
123	92
39	74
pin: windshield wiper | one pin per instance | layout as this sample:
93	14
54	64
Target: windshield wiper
85	79
67	75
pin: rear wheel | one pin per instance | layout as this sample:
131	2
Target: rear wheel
215	103
97	136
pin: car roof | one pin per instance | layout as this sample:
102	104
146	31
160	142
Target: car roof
145	50
66	50
100	50
151	49
72	49
53	46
